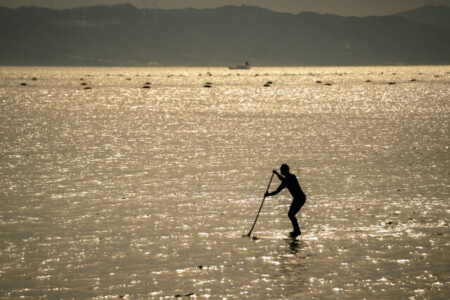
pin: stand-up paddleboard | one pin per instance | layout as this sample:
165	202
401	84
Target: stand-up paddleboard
276	237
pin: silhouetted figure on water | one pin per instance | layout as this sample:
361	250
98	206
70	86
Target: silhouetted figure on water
290	182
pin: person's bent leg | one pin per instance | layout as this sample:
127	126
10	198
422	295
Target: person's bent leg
295	207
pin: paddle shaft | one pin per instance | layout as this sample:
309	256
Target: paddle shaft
262	203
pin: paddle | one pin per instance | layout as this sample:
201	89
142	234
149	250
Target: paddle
254	223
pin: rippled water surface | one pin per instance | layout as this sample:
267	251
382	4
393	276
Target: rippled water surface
123	192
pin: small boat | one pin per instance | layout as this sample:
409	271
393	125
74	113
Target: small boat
246	66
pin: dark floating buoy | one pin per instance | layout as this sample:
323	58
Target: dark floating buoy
269	82
207	85
147	83
84	83
146	87
88	88
318	81
413	79
23	84
329	84
368	80
34	78
185	295
391	83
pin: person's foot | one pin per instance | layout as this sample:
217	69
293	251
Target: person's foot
295	234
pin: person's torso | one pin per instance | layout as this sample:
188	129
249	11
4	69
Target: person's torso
293	186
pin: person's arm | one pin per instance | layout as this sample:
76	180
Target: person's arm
279	176
279	189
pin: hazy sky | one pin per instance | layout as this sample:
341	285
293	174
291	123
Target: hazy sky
340	7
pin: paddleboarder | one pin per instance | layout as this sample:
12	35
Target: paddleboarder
289	181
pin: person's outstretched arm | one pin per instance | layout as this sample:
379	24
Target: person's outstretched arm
279	189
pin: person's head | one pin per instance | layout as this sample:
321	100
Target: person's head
284	169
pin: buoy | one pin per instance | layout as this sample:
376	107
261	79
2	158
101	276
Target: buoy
328	84
207	85
146	87
318	81
391	83
88	88
23	84
84	83
267	85
34	78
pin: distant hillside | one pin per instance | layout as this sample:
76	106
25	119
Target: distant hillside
123	35
435	15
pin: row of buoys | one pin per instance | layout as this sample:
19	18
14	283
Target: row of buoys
209	84
147	85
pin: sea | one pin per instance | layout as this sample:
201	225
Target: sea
143	183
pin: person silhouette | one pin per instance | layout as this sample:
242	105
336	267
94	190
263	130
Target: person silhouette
289	181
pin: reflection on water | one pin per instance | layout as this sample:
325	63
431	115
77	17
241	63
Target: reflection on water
125	192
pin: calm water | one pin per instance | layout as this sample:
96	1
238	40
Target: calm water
125	192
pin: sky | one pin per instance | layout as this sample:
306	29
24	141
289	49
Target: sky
339	7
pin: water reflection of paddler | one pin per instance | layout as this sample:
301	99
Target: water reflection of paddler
289	181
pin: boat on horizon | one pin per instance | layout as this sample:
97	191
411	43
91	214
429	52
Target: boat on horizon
246	66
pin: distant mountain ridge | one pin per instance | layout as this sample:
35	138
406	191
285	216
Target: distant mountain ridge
434	15
123	35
